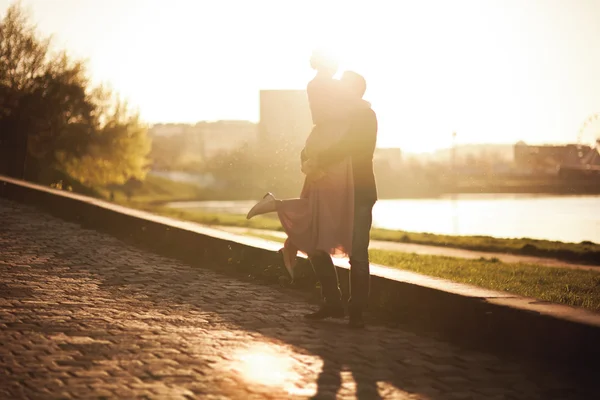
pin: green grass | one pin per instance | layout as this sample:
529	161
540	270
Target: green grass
588	253
155	192
573	287
576	288
216	219
585	252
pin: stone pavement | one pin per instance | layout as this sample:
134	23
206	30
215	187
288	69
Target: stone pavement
84	315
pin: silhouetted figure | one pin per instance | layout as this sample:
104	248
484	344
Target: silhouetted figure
359	144
325	219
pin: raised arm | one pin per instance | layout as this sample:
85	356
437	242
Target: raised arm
324	99
359	139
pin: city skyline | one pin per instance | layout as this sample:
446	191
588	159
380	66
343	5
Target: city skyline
514	70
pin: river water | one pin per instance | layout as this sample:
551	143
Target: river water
563	218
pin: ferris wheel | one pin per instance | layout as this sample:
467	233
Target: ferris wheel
589	137
585	160
589	133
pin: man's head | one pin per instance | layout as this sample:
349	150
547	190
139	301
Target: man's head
355	82
323	63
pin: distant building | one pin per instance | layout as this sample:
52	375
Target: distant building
208	139
545	158
585	164
224	136
285	119
159	130
390	156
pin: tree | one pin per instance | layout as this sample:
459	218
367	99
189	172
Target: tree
52	117
116	152
22	58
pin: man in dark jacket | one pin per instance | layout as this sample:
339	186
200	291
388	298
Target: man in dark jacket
358	143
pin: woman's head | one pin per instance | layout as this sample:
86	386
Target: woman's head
323	63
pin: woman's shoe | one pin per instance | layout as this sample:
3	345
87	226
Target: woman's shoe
289	260
262	207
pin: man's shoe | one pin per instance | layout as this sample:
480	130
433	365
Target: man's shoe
327	311
356	320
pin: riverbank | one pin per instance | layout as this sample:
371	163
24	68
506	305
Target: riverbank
527	185
156	192
423	249
585	252
571	286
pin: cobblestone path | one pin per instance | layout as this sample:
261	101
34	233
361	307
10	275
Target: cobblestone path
84	315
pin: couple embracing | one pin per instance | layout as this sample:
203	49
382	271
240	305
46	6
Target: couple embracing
334	212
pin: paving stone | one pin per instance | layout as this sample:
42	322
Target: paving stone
84	315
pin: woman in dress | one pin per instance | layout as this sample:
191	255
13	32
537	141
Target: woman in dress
321	219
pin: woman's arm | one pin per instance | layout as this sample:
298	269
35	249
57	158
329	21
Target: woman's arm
324	98
360	138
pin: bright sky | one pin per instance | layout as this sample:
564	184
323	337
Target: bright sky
495	71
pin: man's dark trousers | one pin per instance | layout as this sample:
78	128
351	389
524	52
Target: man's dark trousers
359	263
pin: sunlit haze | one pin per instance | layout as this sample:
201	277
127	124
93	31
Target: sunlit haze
493	71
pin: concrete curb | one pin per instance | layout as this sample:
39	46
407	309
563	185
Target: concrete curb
460	313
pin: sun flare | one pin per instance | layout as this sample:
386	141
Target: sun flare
493	71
